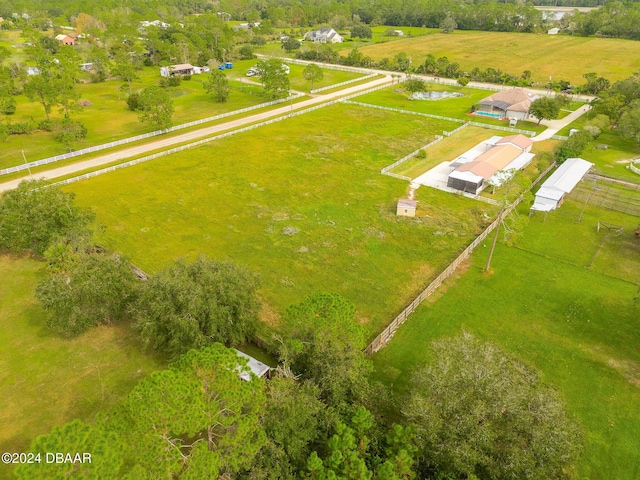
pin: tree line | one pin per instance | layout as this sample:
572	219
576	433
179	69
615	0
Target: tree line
617	19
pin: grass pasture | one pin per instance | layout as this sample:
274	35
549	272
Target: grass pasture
455	107
47	380
300	201
108	118
577	325
544	55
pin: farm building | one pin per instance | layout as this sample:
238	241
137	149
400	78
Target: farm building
562	181
65	39
182	69
324	35
492	162
406	208
258	368
511	103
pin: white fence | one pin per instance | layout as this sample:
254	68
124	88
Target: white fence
632	166
407	157
124	141
342	84
504	129
408	112
456	130
328	66
211	139
559	137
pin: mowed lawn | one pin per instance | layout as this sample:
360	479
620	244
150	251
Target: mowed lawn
558	56
108	119
301	202
579	327
46	380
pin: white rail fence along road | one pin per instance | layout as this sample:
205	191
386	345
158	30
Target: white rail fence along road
124	141
211	139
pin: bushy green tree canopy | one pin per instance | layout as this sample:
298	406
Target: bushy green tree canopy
192	305
34	215
478	411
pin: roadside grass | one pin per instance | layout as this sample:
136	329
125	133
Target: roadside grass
457	107
297	80
48	380
544	55
446	150
576	325
108	118
301	202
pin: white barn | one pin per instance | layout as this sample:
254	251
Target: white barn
562	181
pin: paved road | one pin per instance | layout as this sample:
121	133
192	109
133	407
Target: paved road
194	135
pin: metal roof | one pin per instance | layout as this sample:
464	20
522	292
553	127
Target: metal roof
567	175
257	367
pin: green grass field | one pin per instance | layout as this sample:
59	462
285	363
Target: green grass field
48	380
456	107
108	118
577	325
559	56
298	82
302	202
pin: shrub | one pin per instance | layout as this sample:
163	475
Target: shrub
133	102
7	105
173	81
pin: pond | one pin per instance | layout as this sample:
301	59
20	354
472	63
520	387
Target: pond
433	95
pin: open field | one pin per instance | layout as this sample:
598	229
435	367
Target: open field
544	55
312	214
577	325
108	118
456	107
48	380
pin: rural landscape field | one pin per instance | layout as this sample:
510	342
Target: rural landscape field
316	247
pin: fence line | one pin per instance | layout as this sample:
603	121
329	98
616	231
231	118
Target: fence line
342	84
383	338
407	157
124	141
408	112
449	119
559	137
504	129
328	66
455	130
211	139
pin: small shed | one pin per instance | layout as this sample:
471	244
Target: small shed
553	31
228	65
258	368
406	208
562	181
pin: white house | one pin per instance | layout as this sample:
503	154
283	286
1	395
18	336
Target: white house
562	181
180	69
324	35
